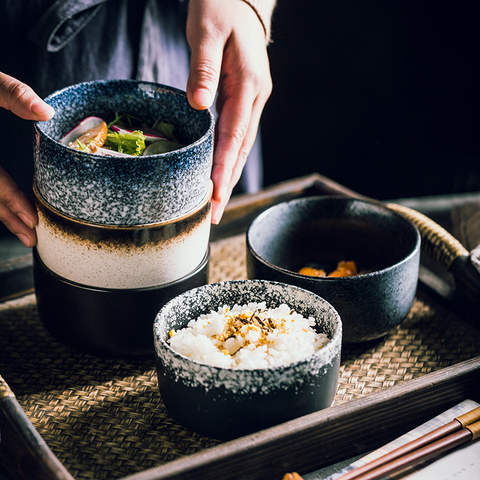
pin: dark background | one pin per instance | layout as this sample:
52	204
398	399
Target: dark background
379	96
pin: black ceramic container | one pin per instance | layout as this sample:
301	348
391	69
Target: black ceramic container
225	403
320	232
105	322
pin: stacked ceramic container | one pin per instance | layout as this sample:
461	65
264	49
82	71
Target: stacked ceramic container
119	236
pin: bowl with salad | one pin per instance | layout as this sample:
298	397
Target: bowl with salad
123	152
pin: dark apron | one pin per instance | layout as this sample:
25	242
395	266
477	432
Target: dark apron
155	38
62	21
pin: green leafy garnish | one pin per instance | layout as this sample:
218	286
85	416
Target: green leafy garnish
132	143
125	120
167	129
82	147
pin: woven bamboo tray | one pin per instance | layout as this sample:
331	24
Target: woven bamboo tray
104	418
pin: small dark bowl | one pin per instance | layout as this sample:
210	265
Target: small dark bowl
225	403
116	190
321	231
105	322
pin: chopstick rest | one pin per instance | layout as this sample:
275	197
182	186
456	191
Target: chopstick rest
460	430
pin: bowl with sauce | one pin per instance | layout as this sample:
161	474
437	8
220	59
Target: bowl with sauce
359	255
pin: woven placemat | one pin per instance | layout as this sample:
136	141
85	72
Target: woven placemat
104	418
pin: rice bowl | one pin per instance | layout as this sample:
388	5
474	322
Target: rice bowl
228	402
248	337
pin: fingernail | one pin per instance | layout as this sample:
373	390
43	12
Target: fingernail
27	220
217	213
216	219
42	109
203	97
223	195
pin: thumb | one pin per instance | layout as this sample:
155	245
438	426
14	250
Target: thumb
22	100
205	65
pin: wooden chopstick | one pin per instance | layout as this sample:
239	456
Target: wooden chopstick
460	430
429	451
458	424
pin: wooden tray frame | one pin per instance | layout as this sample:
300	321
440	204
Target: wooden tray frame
303	445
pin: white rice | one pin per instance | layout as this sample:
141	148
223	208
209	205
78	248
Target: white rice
248	337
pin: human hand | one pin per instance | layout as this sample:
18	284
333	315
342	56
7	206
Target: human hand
16	211
229	54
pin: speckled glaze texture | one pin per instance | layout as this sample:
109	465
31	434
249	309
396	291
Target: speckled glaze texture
227	403
116	190
321	231
101	321
108	256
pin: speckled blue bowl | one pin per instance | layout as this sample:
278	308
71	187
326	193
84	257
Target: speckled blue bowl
116	190
225	403
320	232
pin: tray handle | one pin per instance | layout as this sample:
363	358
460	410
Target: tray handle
449	253
437	243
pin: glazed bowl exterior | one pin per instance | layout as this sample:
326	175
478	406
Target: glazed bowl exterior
116	190
225	403
320	232
106	322
128	256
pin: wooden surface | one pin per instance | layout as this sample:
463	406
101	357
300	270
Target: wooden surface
23	451
331	435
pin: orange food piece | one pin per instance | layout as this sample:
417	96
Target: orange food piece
312	272
292	476
91	139
344	269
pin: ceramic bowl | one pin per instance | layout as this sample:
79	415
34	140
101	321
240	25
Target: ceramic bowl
106	322
118	190
321	231
128	256
225	403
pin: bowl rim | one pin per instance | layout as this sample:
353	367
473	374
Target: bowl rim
107	226
335	342
38	126
354	278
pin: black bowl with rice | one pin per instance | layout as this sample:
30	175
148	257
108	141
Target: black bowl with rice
225	384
